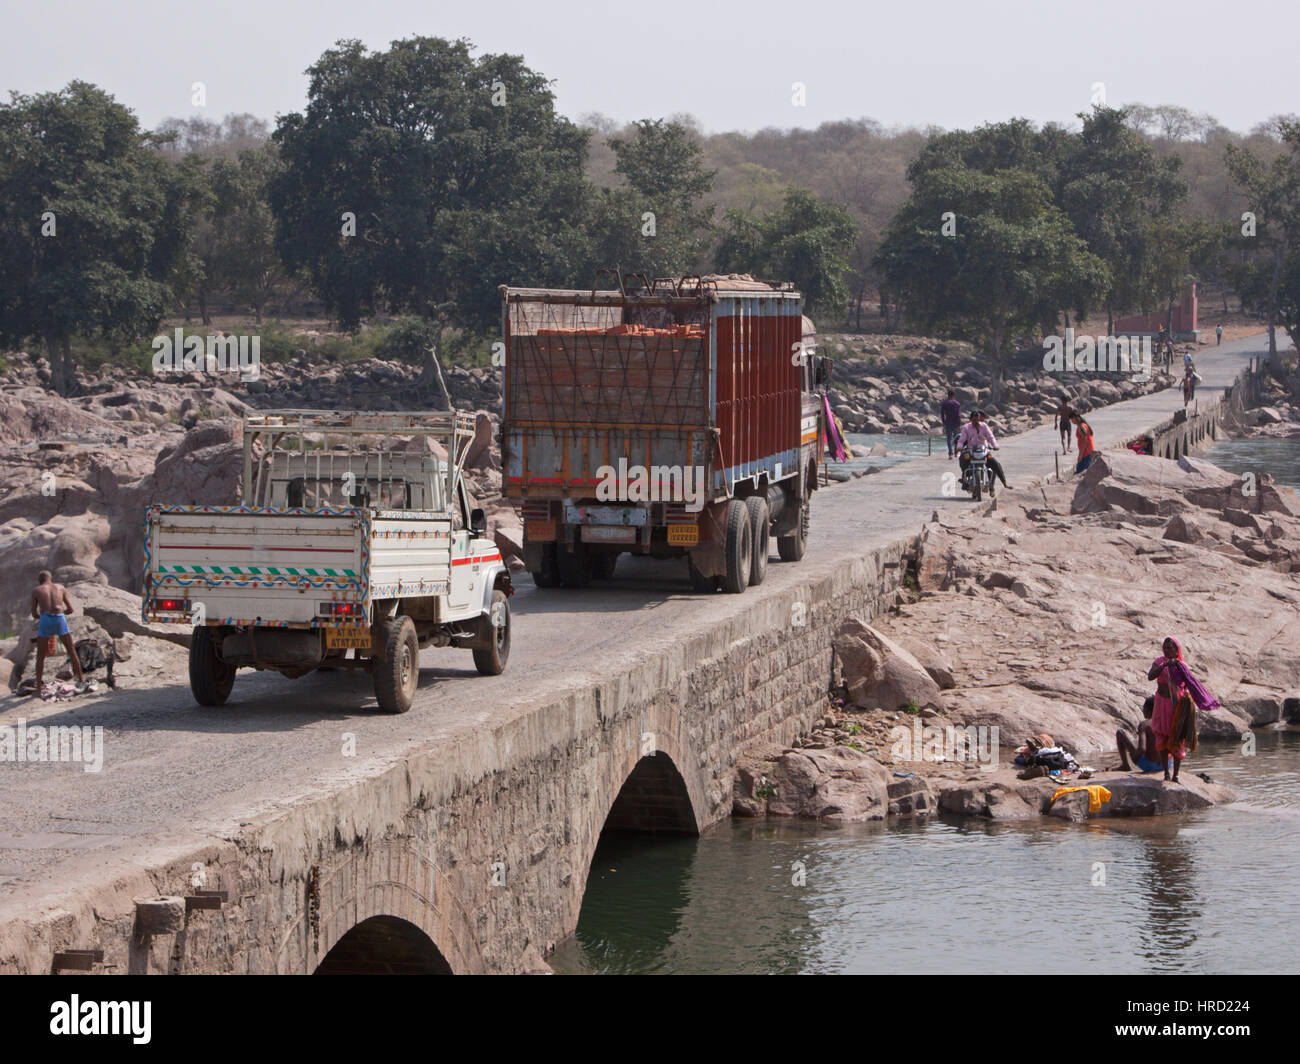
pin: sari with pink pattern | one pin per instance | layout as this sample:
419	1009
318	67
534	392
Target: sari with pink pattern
1170	683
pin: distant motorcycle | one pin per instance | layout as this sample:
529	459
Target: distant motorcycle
978	476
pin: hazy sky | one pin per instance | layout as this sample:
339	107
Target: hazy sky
906	62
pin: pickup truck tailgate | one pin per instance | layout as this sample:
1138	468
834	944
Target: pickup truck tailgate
246	564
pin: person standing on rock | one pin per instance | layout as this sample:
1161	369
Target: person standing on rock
1063	414
1087	445
1174	682
50	608
950	414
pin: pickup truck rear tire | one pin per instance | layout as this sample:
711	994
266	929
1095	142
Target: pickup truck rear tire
491	660
760	536
791	547
739	548
210	678
398	675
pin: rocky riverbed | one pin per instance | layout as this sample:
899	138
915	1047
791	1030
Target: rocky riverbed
1042	613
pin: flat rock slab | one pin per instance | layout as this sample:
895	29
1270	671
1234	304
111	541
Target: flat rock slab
1001	796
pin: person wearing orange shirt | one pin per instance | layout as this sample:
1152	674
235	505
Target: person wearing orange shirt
1087	446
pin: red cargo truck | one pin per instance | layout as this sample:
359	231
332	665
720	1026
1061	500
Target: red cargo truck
673	419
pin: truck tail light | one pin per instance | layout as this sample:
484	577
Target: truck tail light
171	605
340	609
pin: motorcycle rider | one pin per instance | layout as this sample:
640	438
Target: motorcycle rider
975	431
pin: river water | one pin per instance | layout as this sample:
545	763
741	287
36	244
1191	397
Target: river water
1202	893
1278	457
1206	892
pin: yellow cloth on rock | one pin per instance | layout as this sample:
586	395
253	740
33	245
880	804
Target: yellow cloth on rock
1096	795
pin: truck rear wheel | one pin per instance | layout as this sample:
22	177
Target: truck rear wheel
760	537
210	678
398	675
791	547
739	548
603	565
491	660
548	574
704	585
574	566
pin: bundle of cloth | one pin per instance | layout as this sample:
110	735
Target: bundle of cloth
1042	750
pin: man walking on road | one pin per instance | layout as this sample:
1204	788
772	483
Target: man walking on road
1218	335
50	607
1063	414
950	413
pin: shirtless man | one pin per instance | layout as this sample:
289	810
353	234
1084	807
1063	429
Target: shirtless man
1145	755
50	607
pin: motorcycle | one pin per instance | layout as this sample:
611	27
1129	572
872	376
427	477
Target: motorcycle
978	476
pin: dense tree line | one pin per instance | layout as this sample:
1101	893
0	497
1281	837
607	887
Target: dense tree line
417	179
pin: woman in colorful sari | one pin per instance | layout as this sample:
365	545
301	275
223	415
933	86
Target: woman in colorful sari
1175	687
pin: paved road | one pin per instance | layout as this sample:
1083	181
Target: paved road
176	775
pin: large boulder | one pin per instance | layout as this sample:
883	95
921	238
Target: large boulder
837	784
879	673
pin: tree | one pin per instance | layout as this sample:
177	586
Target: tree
1274	195
805	241
656	222
1122	201
245	261
420	178
93	225
1008	261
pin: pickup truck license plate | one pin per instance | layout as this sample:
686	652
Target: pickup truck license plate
350	638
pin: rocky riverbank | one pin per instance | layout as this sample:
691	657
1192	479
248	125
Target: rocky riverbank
898	388
1041	613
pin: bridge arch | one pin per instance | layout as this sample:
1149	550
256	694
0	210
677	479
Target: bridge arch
384	945
653	799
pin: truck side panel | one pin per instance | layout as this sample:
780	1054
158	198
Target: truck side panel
410	555
757	385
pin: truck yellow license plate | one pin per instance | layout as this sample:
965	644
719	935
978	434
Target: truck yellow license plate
683	535
351	638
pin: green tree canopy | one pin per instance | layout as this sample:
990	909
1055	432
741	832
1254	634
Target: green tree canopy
804	240
1009	262
1273	191
93	225
457	170
656	224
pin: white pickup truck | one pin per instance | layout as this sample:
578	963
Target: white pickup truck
355	546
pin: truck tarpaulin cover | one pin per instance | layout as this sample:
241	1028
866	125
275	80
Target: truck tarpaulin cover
650	380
